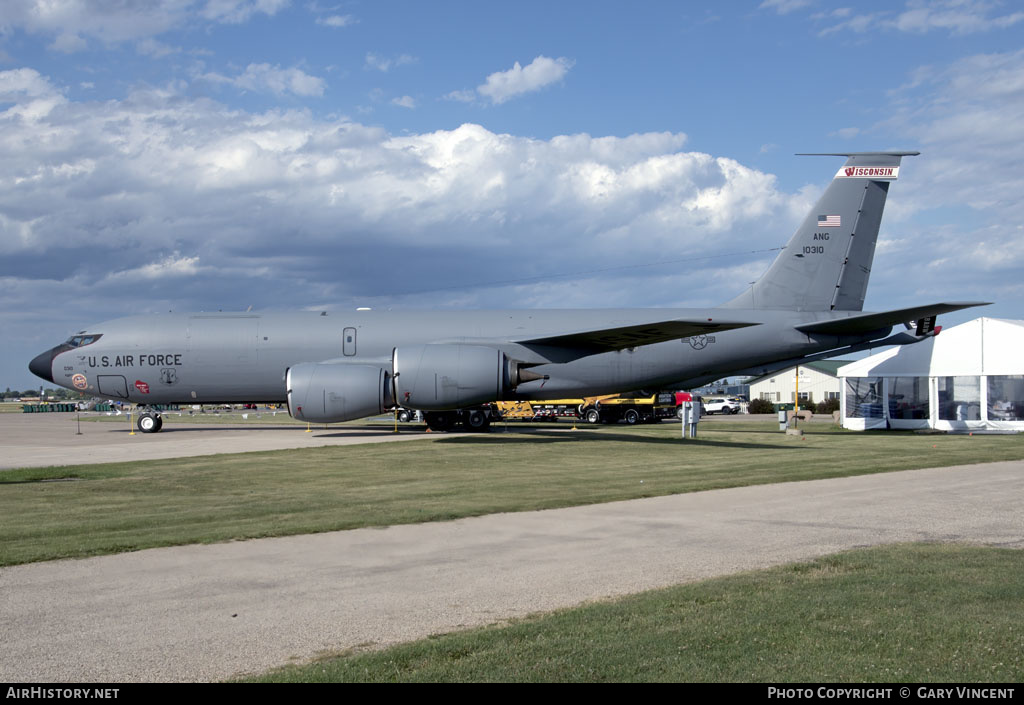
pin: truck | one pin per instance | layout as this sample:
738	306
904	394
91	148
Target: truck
631	407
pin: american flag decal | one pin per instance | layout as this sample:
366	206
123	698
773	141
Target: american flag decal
828	221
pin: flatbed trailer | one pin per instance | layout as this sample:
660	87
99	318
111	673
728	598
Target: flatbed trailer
632	407
609	408
547	410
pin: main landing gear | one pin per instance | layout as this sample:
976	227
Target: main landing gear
472	420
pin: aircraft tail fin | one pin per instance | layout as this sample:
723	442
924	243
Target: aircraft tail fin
826	264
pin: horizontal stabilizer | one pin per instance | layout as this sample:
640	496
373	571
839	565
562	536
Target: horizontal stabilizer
610	339
858	154
867	322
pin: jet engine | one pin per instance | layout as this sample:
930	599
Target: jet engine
436	377
328	393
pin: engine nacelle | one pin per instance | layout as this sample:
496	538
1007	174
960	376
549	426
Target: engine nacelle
448	376
328	393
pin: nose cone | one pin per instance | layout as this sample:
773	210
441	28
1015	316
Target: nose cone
42	366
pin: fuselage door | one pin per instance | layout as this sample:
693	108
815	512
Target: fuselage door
348	344
112	386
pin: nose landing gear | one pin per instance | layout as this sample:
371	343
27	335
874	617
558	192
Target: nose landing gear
149	422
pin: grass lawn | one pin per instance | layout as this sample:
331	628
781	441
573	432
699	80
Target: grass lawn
891	614
87	510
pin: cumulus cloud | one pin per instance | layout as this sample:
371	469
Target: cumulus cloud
145	189
69	22
404	102
72	23
24	82
119	185
264	78
32	96
542	71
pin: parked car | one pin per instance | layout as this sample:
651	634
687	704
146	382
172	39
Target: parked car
721	405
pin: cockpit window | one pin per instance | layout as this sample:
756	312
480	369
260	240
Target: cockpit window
78	341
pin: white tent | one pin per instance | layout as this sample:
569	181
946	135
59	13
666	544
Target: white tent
969	377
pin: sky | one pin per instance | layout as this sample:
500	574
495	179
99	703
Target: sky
204	155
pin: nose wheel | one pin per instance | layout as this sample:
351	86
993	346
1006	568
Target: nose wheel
149	422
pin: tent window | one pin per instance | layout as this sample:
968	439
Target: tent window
908	398
960	398
864	397
1006	398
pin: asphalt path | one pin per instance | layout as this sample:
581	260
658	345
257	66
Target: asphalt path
43	440
199	613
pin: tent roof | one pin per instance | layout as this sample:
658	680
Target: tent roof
984	346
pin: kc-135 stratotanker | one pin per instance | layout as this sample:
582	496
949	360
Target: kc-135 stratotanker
338	366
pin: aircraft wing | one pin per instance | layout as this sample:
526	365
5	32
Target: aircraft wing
867	322
620	337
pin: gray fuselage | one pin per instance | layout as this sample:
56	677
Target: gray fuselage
242	357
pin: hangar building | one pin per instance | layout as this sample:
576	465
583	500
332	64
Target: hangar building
967	378
818	382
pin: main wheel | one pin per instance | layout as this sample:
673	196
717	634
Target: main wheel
476	421
593	416
632	416
404	415
440	420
